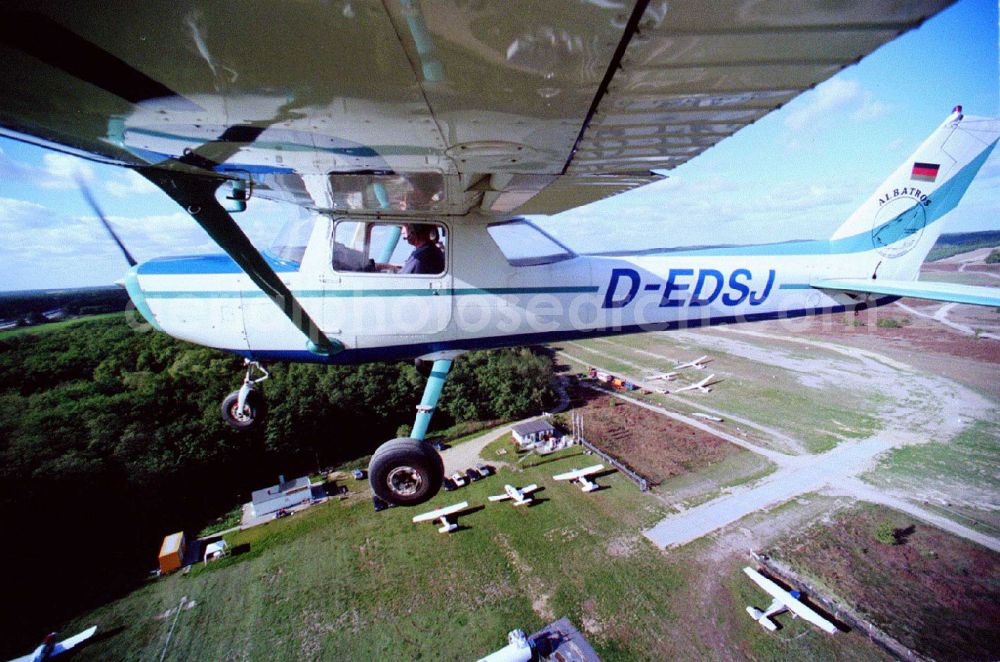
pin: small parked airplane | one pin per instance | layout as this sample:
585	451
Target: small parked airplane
393	125
665	376
50	647
521	497
783	600
580	475
698	364
703	386
442	514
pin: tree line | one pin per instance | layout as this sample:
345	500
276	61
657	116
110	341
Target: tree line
110	439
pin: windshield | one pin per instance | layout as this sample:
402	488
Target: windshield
291	242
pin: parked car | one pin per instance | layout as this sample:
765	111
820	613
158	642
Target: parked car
458	478
448	484
485	469
438	445
282	512
358	474
472	475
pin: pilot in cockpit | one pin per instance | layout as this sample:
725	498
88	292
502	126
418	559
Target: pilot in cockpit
427	257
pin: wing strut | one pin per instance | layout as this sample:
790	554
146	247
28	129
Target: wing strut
196	194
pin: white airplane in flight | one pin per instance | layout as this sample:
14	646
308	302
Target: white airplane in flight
442	515
407	120
783	600
520	496
580	476
50	647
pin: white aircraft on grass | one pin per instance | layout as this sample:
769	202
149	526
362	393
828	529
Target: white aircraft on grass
442	514
703	386
665	376
521	497
580	475
783	600
407	119
698	364
50	647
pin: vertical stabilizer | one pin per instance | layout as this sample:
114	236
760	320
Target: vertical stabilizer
906	214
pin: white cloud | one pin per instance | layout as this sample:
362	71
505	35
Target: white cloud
833	96
62	171
831	101
870	108
129	183
38	234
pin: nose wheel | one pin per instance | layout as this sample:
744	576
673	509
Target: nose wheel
405	471
245	408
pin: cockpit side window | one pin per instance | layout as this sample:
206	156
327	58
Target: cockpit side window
525	245
390	248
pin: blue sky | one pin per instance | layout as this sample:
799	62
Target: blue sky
797	173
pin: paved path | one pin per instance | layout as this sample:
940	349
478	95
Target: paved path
798	475
466	454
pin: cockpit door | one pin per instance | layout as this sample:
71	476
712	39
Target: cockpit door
368	290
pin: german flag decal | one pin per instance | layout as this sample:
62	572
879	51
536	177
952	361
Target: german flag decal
925	172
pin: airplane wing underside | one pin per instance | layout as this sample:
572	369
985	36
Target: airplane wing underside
420	108
931	291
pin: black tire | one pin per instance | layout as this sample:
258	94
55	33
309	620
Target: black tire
253	412
405	472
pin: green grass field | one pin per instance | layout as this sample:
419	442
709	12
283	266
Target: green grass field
52	326
966	468
341	582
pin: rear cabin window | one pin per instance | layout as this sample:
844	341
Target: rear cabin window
524	245
390	248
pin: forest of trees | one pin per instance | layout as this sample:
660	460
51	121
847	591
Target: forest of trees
110	439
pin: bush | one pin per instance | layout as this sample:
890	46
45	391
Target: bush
993	257
886	534
889	323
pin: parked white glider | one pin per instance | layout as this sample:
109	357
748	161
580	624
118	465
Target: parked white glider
697	364
50	647
783	600
521	497
442	515
580	475
665	376
702	386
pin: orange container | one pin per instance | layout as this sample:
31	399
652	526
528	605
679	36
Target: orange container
172	552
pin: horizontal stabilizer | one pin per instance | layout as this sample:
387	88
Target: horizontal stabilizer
949	292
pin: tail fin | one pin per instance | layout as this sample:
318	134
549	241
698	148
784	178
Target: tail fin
902	220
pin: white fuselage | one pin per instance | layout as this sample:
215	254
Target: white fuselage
483	300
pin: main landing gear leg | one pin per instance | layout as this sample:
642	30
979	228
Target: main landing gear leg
245	408
407	471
